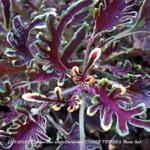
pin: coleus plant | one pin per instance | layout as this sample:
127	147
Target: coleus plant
61	67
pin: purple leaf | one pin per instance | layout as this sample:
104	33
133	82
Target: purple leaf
113	103
6	141
106	119
73	45
71	12
42	73
120	68
143	22
74	135
73	101
92	110
7	13
18	37
139	91
32	130
34	97
78	19
113	13
112	48
140	123
7	68
57	29
42	76
52	53
142	41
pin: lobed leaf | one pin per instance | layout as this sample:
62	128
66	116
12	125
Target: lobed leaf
110	104
112	13
120	68
53	46
139	91
30	131
74	44
18	37
67	17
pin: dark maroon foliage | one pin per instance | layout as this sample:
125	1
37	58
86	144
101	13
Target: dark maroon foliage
112	13
74	74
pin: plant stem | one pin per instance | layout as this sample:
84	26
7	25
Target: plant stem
82	108
87	51
81	126
44	105
58	127
124	34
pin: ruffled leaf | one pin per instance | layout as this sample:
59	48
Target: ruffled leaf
112	104
51	47
120	68
17	38
32	130
139	91
74	135
112	13
6	141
